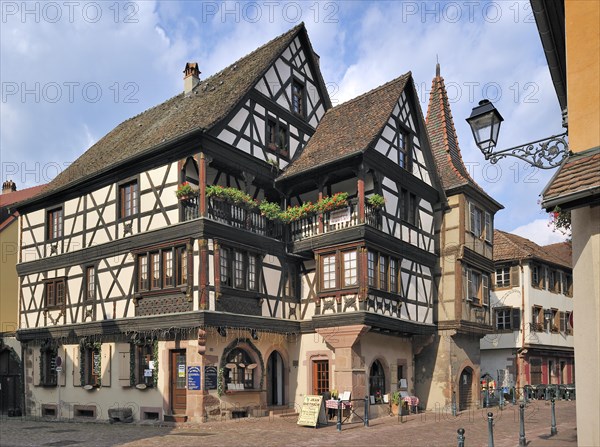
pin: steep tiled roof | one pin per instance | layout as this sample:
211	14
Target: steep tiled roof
7	214
349	128
210	101
7	199
444	141
510	247
580	174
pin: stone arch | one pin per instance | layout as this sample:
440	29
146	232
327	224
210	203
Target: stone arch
467	393
247	345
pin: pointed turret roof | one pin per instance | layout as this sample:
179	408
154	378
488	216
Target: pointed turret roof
444	142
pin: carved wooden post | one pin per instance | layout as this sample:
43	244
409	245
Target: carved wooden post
361	195
202	180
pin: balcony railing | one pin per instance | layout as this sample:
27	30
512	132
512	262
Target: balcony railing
339	219
240	217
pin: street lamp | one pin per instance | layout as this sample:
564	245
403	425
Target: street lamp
485	123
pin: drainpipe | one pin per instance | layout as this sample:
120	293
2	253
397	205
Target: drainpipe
520	357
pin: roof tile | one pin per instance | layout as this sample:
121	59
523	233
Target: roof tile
510	247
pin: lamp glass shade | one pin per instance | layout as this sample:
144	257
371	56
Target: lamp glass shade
485	123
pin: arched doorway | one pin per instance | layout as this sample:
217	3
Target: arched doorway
10	381
465	389
275	379
377	381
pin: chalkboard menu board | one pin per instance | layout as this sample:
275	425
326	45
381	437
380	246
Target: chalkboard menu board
210	377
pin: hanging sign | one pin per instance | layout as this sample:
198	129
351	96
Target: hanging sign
339	216
312	412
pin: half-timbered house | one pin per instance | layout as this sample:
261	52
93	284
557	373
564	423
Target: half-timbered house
235	248
448	364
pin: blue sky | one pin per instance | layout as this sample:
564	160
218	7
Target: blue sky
70	72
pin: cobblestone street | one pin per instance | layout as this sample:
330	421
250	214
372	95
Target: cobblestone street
427	429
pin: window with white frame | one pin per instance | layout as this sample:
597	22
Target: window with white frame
350	270
503	276
238	268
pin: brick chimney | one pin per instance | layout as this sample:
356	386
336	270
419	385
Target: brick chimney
8	186
191	77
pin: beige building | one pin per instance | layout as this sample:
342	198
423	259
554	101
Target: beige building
569	34
11	384
532	303
448	363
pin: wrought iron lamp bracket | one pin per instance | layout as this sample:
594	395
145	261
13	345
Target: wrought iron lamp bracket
547	153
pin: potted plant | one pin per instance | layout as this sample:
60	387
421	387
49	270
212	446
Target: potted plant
395	402
185	191
377	201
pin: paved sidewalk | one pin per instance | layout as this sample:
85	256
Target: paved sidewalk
427	429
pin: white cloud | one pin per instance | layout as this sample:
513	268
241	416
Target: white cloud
539	232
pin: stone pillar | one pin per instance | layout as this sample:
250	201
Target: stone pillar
349	368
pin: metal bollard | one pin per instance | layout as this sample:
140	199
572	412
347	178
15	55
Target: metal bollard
501	392
490	429
339	414
553	429
366	411
461	437
454	403
514	396
487	397
522	440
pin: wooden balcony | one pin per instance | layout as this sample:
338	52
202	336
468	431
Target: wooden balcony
233	215
336	220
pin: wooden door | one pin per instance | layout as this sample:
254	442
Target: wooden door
178	382
320	376
10	383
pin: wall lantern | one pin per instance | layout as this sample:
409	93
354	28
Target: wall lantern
485	120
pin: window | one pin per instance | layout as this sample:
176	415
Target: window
507	318
409	207
404	158
277	137
537	318
55	292
503	276
350	269
329	272
377	381
563	316
162	269
155	270
535	276
480	223
297	98
142	360
252	273
238	269
371	268
383	272
555	321
552	283
239	274
90	284
239	370
48	374
54	223
567	284
393	275
91	364
290	282
128	203
477	287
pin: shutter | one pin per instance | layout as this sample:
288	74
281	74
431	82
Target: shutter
515	276
465	284
62	376
488	227
36	365
516	318
123	350
76	368
106	350
468	212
